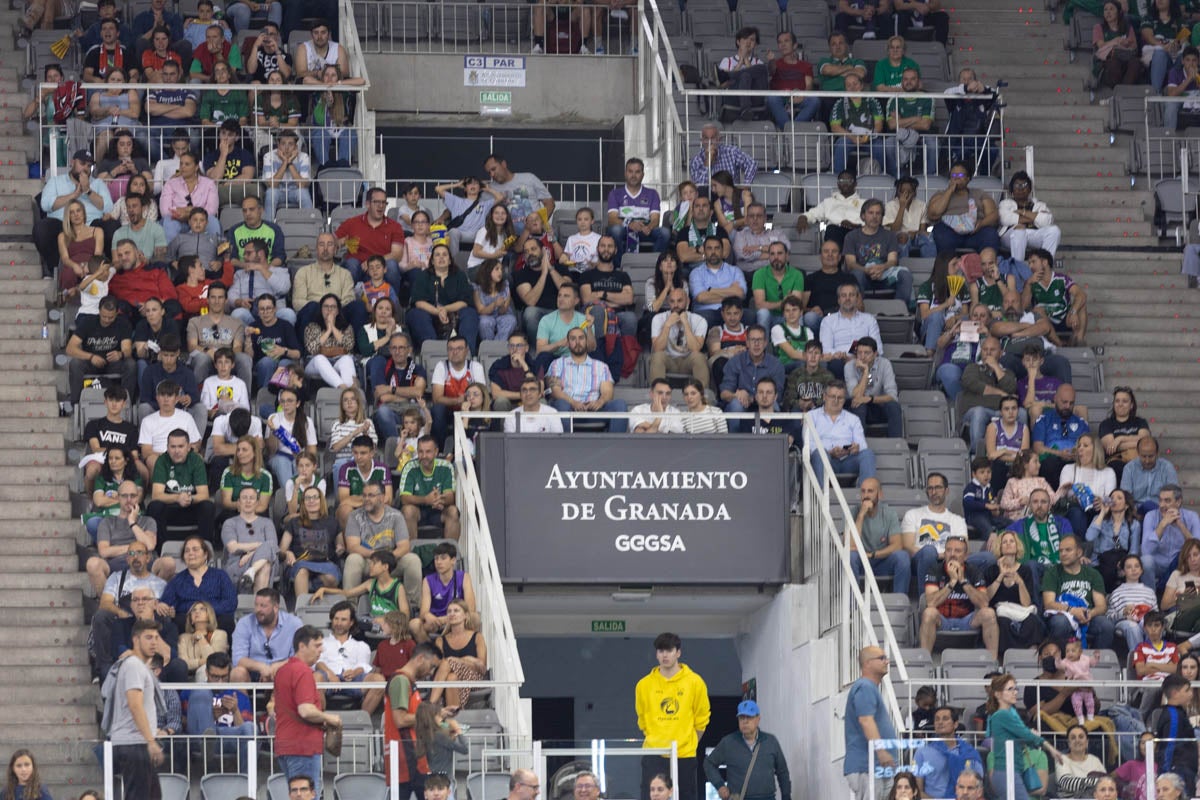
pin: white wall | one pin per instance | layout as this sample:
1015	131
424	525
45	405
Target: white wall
779	649
578	90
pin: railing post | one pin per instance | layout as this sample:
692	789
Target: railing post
1029	161
1151	775
393	757
1010	774
110	789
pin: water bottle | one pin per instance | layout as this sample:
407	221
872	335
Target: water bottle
45	331
287	440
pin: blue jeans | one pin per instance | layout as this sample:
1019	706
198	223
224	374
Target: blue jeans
329	145
286	196
950	377
843	147
283	465
946	239
1000	783
617	406
861	464
240	14
391	273
173	227
922	244
901	284
265	368
294	766
1099	634
889	413
1160	64
660	236
898	565
806	110
928	146
925	561
420	322
199	720
932	327
1132	632
387	420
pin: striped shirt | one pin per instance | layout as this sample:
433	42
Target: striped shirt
710	420
1127	595
581	381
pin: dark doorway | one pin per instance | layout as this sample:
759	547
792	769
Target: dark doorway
723	723
554	726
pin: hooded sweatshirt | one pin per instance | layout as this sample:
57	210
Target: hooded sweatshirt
672	709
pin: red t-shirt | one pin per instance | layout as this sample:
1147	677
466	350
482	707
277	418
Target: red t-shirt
1146	653
294	686
371	241
791	76
390	658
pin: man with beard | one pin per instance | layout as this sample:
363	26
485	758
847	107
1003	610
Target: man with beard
580	383
262	641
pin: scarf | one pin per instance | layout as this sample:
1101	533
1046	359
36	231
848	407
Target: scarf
1036	547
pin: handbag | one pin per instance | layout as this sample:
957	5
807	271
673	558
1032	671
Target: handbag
333	740
746	780
281	378
1029	775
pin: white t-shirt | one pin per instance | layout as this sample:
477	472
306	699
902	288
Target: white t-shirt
779	335
932	528
546	420
278	420
671	420
443	371
581	248
220	427
674	349
225	393
289	488
730	63
480	239
156	428
92	294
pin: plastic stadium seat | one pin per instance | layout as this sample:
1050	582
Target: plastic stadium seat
759	139
815	187
277	788
1086	371
487	786
340	185
806	149
432	351
174	786
878	187
766	18
360	786
300	227
326	409
229	216
913	368
894	318
772	190
223	786
343	213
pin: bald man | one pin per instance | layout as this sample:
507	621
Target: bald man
881	536
867	721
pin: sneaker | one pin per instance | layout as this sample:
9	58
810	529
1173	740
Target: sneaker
869	35
537	49
599	50
246	584
583	50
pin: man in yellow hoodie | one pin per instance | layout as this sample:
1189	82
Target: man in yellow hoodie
672	706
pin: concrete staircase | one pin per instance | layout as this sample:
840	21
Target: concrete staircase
1142	312
44	674
1079	173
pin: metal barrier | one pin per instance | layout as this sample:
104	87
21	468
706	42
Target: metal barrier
495	28
807	147
845	615
504	661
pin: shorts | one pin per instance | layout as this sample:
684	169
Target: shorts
957	623
430	516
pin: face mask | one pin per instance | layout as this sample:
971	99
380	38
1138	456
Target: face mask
1048	664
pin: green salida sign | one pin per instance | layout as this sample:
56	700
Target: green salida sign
608	626
492	98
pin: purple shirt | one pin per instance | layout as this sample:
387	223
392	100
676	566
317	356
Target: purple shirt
1043	391
633	207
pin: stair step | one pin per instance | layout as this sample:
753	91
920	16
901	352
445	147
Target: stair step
1059	169
47	409
40	424
29	377
39	548
40	565
38	714
1063	214
54	599
29	518
1122	198
31	363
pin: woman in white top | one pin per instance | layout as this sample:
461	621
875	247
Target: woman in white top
494	238
1078	762
289	432
1085	483
699	416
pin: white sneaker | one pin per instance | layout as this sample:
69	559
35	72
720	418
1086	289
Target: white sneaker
583	50
869	35
537	50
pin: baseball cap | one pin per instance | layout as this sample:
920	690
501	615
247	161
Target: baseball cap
748	708
84	155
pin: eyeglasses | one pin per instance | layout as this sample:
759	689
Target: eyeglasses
521	346
936	486
327	279
534	786
958	174
1021	185
267	649
585	787
135	553
188	200
127	496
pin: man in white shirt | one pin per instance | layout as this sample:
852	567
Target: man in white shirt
286	172
841	210
904	215
927	529
155	428
534	416
345	659
677	339
840	331
659	416
841	434
450	380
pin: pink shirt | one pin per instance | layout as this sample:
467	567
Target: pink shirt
175	192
